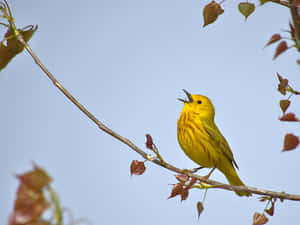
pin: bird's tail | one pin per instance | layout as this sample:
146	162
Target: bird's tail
233	179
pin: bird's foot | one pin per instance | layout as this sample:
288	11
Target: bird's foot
205	178
194	170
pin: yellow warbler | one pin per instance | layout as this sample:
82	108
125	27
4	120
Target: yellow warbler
201	140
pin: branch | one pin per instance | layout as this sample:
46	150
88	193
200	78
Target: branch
155	160
296	21
215	184
282	2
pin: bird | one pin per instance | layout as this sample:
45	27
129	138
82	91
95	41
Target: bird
202	141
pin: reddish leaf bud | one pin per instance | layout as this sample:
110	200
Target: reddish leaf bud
281	47
176	190
137	167
149	142
273	39
184	194
283	84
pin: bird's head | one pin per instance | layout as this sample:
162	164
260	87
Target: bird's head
199	105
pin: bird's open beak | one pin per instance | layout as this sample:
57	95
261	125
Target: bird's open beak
188	95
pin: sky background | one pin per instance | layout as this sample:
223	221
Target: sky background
127	62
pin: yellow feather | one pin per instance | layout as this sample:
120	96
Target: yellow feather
201	140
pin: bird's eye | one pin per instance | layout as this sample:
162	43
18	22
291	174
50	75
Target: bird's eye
199	102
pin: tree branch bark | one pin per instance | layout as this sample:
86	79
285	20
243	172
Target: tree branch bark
296	20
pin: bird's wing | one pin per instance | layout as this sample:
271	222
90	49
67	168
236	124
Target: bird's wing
218	138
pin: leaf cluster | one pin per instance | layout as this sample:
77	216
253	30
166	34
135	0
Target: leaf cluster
31	202
291	141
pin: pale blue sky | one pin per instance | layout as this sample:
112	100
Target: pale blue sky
127	62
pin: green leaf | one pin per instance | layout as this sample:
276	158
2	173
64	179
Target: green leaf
246	9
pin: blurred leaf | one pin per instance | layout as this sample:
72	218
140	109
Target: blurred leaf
26	213
149	142
259	219
284	104
26	196
199	208
283	84
273	39
246	9
176	190
298	61
40	222
211	12
289	117
270	211
36	179
13	46
137	167
30	202
290	142
182	178
282	46
3	10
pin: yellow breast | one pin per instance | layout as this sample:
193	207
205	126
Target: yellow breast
195	142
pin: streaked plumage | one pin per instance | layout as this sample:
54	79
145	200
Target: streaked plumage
201	140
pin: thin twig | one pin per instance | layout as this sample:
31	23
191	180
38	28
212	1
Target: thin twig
81	107
3	24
